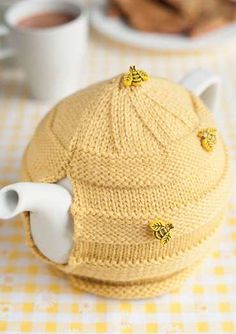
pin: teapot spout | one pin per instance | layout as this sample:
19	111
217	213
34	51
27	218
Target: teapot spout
50	221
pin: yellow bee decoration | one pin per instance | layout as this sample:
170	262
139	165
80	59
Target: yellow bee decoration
134	77
208	138
161	230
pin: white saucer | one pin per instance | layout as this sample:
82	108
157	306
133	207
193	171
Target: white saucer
118	30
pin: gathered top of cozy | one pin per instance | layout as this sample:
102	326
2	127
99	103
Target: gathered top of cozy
133	155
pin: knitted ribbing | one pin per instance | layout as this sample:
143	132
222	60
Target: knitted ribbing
133	154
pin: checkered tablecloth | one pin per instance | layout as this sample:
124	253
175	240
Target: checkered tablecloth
36	299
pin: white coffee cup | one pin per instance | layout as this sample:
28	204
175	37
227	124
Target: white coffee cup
52	57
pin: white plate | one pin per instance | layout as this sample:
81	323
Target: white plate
116	29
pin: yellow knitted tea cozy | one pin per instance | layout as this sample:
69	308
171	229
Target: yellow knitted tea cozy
150	182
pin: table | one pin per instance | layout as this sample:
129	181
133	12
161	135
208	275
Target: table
36	299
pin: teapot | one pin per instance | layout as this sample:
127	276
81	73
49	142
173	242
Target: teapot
49	202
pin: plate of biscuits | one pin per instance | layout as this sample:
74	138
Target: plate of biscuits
177	25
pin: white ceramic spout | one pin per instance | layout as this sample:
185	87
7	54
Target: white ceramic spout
50	221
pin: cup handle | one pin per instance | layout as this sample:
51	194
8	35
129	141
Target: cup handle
5	51
204	84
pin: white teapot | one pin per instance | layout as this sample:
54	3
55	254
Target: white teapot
49	204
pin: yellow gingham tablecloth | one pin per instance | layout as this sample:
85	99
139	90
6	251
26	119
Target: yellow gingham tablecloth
36	299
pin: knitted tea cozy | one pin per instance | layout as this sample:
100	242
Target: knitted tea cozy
150	182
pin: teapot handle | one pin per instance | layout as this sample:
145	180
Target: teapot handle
205	85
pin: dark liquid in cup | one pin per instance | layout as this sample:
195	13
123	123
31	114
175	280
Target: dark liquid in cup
46	20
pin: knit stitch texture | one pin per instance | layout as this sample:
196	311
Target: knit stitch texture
132	154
